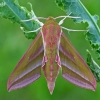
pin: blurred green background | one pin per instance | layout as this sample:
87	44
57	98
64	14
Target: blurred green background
13	45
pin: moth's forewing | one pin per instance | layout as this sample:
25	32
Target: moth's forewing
74	69
28	68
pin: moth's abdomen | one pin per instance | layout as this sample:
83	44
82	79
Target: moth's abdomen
51	70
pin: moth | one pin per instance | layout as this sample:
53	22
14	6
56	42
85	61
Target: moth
50	51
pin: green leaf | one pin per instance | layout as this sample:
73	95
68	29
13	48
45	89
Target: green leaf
76	8
93	66
10	9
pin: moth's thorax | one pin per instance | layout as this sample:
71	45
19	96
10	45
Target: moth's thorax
51	32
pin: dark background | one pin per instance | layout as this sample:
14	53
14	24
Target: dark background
13	45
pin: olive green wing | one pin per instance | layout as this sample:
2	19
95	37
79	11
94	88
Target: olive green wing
74	68
28	68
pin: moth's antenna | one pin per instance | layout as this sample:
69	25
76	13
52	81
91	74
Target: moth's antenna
68	16
30	31
34	18
74	30
64	17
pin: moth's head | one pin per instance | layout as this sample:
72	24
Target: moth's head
50	20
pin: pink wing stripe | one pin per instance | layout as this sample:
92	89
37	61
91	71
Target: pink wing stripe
74	78
24	82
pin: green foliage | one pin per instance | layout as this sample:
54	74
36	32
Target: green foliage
93	66
76	8
10	9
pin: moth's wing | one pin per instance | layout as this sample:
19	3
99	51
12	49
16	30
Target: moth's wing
28	68
74	68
